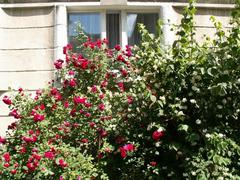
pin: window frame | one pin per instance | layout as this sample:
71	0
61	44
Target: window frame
123	37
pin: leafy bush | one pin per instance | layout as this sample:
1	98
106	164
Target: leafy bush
148	112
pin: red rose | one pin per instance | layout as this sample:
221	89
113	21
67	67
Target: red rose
123	152
14	171
88	114
38	117
129	147
30	166
84	64
54	91
62	163
58	64
7	100
20	90
67	48
120	58
23	150
94	89
124	72
79	100
101	96
84	140
153	163
66	104
73	112
42	107
2	140
101	107
118	47
6	165
87	104
103	133
92	124
121	86
105	40
157	135
104	84
7	157
130	99
72	82
37	157
49	155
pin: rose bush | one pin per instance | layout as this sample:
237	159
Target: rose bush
147	112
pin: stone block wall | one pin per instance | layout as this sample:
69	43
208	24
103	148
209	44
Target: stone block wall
203	24
26	51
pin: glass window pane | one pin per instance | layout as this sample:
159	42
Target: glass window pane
148	19
113	29
90	22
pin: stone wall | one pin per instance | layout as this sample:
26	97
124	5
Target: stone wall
26	51
203	24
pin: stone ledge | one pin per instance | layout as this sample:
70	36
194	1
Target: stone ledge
26	38
20	60
27	80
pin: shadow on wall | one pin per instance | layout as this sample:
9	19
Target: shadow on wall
19	12
208	11
43	1
199	1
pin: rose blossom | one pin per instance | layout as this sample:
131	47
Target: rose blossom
117	47
120	58
129	147
7	157
130	99
38	117
101	107
157	135
7	100
58	64
2	140
67	48
49	155
62	163
15	114
72	82
79	100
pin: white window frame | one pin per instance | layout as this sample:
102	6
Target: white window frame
123	18
164	9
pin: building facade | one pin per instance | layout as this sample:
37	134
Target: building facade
33	32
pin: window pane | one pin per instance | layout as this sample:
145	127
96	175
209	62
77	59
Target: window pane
148	19
113	29
90	22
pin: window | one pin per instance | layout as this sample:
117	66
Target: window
92	25
89	22
113	29
148	19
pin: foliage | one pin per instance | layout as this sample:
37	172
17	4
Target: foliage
148	112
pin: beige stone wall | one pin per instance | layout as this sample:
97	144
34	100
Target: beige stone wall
203	24
26	51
